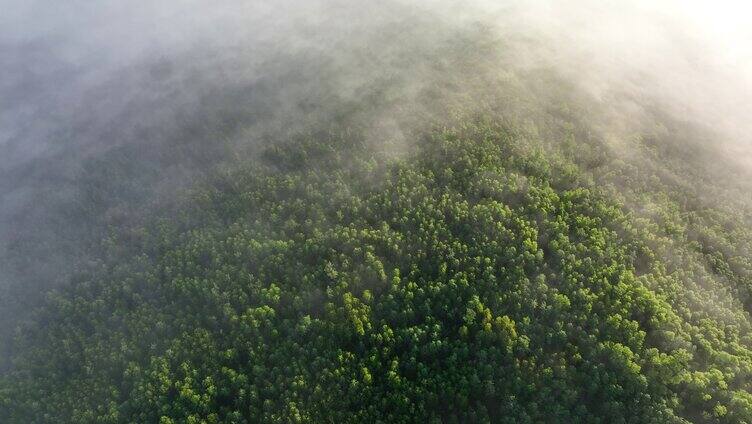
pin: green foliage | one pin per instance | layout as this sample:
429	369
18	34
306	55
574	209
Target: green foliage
482	278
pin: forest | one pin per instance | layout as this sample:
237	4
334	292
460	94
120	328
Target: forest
485	277
461	239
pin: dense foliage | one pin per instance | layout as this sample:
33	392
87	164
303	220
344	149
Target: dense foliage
481	277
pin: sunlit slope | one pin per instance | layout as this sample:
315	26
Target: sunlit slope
485	275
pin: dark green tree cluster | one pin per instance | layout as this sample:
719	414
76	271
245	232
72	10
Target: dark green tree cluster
482	277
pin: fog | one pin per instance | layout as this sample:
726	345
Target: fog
694	57
178	87
73	68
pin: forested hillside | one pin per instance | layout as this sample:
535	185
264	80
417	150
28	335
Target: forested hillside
485	275
337	211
